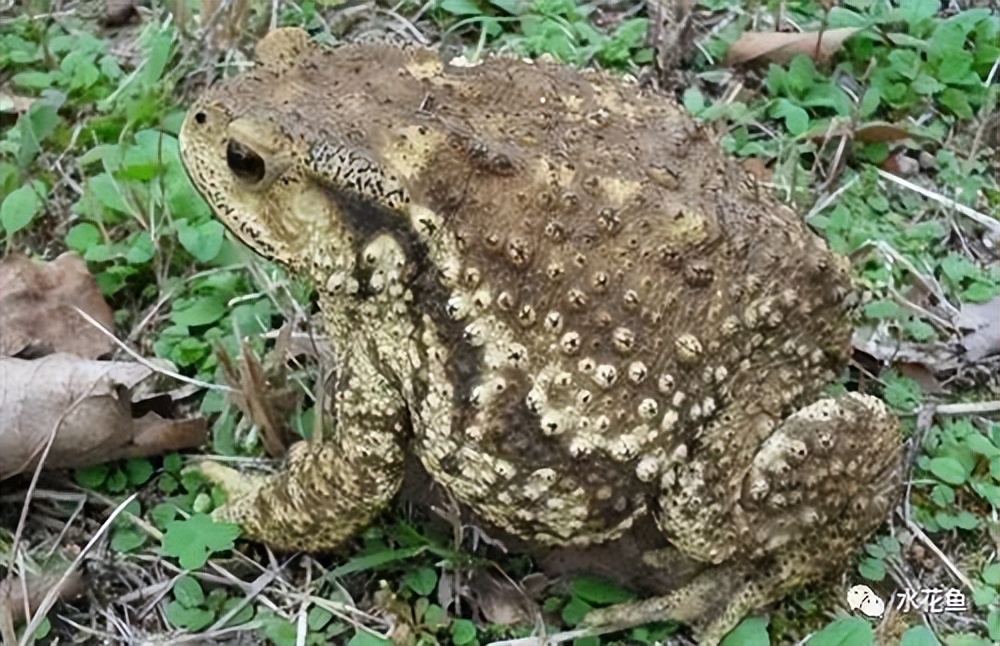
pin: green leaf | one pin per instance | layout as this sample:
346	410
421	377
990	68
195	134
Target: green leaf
954	66
201	311
44	628
92	477
243	615
318	618
461	7
991	575
377	559
847	631
126	539
421	581
966	520
752	631
105	189
139	471
157	59
463	632
167	484
979	292
363	638
870	102
188	591
916	11
979	443
948	470
902	393
919	330
599	591
193	540
191	619
694	100
172	463
162	514
19	208
574	611
872	569
117	481
919	636
82	236
983	595
203	241
33	80
141	249
942	495
882	309
796	119
957	101
926	85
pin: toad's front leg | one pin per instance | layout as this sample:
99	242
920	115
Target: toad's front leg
818	484
327	490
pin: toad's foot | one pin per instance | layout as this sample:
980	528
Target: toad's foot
319	499
820	483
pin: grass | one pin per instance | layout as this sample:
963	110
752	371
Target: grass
90	164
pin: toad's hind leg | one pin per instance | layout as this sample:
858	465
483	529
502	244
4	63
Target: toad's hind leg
823	480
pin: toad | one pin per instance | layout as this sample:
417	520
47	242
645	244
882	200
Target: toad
552	290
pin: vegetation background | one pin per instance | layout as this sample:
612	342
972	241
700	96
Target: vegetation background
883	134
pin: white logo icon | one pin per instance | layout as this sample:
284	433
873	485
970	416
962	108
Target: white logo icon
863	598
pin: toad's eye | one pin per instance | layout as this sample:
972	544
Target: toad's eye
245	163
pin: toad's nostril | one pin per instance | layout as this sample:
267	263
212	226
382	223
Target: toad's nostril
200	117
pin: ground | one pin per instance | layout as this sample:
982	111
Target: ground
884	137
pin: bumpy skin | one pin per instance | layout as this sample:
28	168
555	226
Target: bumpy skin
555	292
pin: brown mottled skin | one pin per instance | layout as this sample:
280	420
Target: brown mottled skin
554	291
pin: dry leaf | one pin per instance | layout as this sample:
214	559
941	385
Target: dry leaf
37	302
119	12
87	404
14	103
499	600
979	324
16	593
901	165
262	394
881	131
778	47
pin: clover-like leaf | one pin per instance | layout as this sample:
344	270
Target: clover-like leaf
193	540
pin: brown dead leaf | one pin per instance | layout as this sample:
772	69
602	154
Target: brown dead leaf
499	600
88	405
881	131
901	165
16	593
37	314
778	47
979	324
871	132
14	103
262	394
119	12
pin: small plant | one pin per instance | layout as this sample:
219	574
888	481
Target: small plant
560	28
191	541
